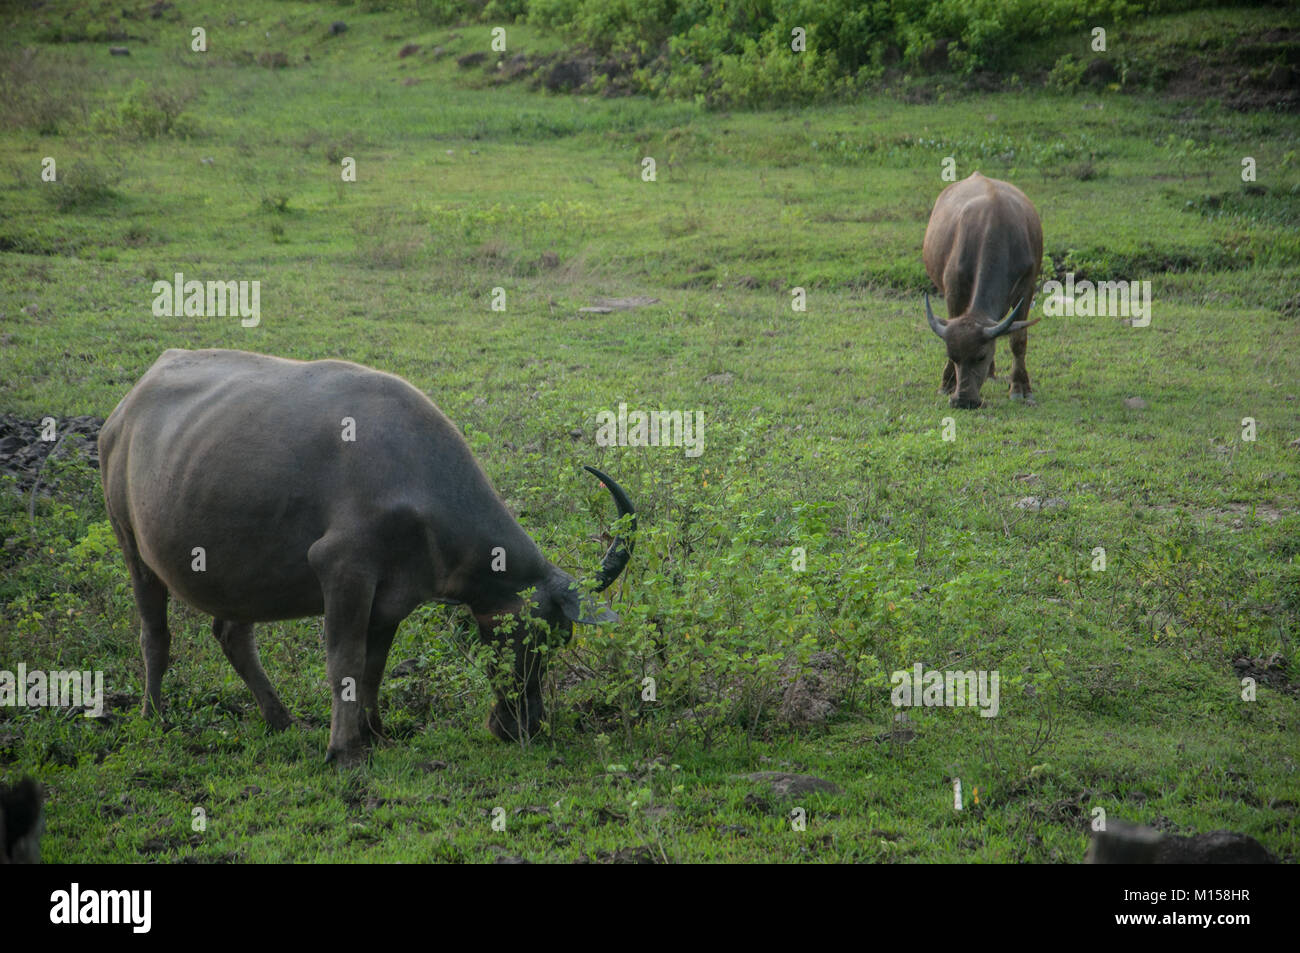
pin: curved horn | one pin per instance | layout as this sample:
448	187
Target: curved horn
1005	324
620	551
938	327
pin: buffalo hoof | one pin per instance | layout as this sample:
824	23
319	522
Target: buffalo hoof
1026	398
278	720
346	757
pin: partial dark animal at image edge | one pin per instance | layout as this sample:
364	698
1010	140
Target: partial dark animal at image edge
21	821
257	488
1126	843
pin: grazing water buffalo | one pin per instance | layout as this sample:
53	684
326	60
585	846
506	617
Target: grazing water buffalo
983	250
257	488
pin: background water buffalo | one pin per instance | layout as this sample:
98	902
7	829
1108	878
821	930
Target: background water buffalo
983	249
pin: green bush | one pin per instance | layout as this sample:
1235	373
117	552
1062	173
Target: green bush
81	184
144	112
1067	73
37	92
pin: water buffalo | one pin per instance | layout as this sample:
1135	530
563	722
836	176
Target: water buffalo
257	488
983	250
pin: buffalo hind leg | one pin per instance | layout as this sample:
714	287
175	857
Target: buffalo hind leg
378	642
236	640
155	637
151	602
1020	389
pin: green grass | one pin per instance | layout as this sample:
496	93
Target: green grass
823	431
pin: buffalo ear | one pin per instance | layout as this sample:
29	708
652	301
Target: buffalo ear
584	610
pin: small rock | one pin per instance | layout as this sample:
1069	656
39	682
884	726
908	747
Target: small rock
901	733
1135	403
337	27
624	304
408	50
1034	504
118	51
786	785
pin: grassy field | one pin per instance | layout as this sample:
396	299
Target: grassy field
824	430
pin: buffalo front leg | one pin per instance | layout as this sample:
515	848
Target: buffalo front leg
517	683
1020	389
236	640
949	382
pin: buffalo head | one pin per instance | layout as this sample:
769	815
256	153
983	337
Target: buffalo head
525	632
971	344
